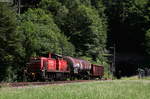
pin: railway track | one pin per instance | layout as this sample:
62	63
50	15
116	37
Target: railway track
23	84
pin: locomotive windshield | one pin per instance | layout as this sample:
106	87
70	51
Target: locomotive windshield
56	56
35	64
35	61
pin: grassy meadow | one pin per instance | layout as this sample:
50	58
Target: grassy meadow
116	89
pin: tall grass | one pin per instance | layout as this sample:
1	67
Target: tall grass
119	89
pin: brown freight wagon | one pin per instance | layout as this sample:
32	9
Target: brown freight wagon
97	71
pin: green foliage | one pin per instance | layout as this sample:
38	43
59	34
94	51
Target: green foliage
71	4
52	5
86	31
9	40
86	58
83	24
147	43
100	7
7	30
127	23
58	10
11	74
41	35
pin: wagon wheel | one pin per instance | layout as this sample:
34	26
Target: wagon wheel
100	77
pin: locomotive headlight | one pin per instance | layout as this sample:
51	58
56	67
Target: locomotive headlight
33	74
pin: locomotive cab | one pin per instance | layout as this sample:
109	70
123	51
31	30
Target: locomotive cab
35	67
48	67
35	64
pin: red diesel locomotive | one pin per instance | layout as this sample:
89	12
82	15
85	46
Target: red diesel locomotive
56	67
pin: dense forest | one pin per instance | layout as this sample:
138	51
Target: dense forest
88	29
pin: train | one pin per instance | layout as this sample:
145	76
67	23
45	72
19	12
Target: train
59	67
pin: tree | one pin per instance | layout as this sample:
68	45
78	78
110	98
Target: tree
9	42
147	41
127	24
41	35
83	24
58	10
86	31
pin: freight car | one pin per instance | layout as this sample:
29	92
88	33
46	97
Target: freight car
57	67
97	71
78	68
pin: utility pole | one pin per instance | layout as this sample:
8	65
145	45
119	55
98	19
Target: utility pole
19	6
113	68
114	58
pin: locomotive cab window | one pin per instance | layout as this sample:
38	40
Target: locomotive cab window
35	60
55	56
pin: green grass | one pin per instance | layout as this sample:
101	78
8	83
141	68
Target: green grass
135	78
146	78
118	89
130	78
